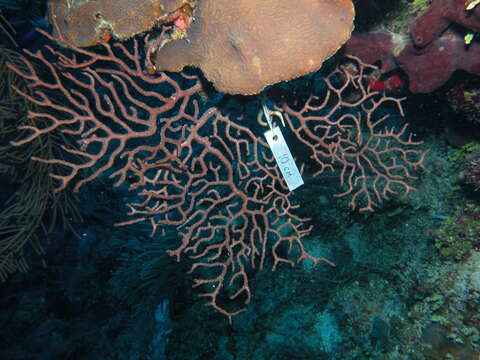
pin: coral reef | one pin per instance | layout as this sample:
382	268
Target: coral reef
205	174
201	185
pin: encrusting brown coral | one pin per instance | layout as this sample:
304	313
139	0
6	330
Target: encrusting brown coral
86	23
243	46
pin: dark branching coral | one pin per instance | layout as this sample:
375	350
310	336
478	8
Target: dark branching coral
28	210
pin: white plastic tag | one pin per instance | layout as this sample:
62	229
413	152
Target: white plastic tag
284	158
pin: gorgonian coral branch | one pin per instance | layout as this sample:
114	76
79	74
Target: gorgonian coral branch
347	131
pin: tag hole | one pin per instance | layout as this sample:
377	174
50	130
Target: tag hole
275	137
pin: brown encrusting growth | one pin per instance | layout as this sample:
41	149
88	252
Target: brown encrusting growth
87	23
243	46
